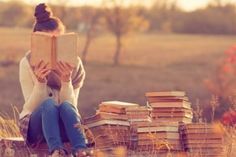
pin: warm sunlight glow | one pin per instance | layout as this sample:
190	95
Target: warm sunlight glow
188	5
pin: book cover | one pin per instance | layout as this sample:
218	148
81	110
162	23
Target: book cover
108	122
166	93
184	104
118	104
52	48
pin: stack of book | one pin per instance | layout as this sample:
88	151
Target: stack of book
110	125
172	106
159	137
137	116
201	139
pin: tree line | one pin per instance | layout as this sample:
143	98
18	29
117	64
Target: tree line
216	18
111	16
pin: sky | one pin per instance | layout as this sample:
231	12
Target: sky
188	5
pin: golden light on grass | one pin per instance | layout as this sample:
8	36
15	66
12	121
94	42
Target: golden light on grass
218	128
8	126
120	152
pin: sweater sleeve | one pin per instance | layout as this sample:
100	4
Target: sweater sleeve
33	91
70	90
69	94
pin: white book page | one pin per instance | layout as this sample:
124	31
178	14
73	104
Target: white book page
67	48
40	48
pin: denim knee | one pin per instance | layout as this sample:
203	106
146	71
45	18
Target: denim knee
66	108
49	105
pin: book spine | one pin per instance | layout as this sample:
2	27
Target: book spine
31	45
53	54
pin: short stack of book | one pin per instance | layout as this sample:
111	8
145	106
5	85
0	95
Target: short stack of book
110	125
159	137
137	116
172	106
201	139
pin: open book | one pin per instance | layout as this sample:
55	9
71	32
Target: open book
52	48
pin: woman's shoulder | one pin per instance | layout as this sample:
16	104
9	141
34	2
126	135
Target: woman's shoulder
79	63
24	60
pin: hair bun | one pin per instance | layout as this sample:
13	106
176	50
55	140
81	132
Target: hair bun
42	13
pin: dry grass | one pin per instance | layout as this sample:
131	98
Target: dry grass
8	125
9	129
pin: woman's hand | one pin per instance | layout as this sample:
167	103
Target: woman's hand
64	70
41	71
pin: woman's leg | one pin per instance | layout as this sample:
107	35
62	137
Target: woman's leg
44	122
70	117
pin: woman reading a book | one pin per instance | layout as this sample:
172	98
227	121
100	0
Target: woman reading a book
50	110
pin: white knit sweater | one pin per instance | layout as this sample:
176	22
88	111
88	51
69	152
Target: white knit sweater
35	92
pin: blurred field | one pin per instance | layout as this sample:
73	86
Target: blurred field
150	62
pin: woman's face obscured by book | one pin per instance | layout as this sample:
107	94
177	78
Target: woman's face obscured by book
52	75
56	32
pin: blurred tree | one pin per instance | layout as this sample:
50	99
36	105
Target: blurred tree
121	21
223	84
162	15
61	8
11	9
204	21
72	17
90	19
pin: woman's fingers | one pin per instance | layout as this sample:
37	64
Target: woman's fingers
64	66
45	66
64	71
39	64
58	69
43	71
45	74
57	72
61	66
69	65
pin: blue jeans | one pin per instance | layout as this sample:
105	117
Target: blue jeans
55	125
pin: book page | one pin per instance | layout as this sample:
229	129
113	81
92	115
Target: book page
67	48
40	48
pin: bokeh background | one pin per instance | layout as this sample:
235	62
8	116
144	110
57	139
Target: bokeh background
130	47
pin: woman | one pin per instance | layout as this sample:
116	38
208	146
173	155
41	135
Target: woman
50	110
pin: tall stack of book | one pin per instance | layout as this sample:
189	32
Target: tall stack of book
201	139
159	137
172	106
110	125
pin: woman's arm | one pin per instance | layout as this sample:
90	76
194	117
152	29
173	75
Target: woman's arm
33	91
69	92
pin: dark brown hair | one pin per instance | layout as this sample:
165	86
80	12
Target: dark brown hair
44	19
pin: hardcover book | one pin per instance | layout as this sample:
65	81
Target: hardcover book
53	48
